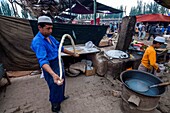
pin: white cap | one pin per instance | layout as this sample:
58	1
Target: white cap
44	19
160	39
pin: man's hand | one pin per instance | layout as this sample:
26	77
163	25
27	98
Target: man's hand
71	53
158	70
76	55
57	80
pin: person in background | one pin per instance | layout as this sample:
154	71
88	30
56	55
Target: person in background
152	32
158	30
119	27
46	48
115	27
139	31
147	27
148	62
143	31
162	30
168	29
111	27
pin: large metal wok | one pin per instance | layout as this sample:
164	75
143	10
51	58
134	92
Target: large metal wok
137	80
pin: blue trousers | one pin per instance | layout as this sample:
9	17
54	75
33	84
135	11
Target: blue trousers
56	92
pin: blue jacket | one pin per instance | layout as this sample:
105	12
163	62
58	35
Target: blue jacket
44	50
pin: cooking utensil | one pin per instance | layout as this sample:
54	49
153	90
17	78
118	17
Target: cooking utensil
142	86
161	84
146	88
133	80
137	85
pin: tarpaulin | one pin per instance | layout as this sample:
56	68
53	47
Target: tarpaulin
16	35
15	40
153	18
86	7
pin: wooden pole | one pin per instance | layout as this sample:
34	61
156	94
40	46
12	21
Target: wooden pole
94	11
16	10
70	9
13	7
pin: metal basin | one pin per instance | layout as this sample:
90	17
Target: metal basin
133	80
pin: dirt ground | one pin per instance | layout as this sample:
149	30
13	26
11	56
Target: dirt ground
88	94
29	94
93	94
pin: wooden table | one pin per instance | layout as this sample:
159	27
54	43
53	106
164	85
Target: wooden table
80	49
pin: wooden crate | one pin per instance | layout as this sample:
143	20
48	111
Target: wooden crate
90	72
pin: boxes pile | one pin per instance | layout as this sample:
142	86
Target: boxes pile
90	70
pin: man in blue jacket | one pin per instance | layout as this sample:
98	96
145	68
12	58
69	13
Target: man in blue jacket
46	48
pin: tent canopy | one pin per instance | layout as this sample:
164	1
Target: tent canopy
78	8
86	7
55	7
165	3
153	18
64	15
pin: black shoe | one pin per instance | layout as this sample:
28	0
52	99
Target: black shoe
55	107
66	97
58	112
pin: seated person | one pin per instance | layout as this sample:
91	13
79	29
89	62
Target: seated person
109	33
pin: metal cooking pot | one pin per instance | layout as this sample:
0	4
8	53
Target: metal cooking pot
134	101
133	80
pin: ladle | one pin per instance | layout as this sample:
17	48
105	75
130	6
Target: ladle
146	87
142	86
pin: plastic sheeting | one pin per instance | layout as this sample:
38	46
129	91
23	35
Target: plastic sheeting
116	54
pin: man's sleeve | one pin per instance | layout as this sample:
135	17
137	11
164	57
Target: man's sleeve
41	54
152	59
